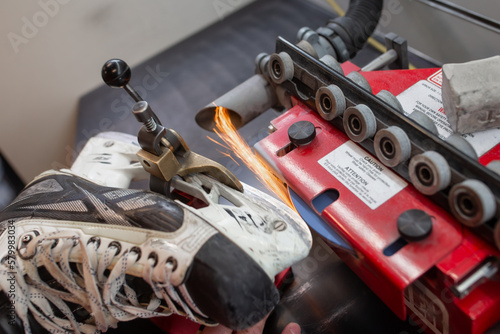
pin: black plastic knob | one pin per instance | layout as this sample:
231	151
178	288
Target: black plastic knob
301	133
414	225
116	73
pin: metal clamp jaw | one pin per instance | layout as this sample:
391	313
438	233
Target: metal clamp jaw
165	154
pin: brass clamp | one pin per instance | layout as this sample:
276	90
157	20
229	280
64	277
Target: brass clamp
165	154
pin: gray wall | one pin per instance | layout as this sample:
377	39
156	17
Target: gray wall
51	53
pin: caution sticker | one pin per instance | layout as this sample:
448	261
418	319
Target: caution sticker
437	78
362	174
425	97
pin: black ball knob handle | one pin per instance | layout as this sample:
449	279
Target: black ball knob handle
116	73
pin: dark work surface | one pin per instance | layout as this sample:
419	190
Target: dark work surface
326	296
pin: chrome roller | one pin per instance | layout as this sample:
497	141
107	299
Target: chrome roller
429	172
472	202
392	146
390	99
462	145
360	80
280	67
359	123
330	102
332	63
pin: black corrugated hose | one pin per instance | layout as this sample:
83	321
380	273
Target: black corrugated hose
358	23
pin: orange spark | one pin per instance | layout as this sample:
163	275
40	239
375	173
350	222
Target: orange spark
227	132
215	141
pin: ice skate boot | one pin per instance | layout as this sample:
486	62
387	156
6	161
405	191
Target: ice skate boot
80	257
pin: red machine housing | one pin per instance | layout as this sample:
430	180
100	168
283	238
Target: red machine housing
416	280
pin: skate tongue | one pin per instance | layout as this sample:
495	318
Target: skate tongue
270	232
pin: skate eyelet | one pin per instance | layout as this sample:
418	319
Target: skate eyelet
27	238
154	257
173	262
95	240
136	250
24	240
117	245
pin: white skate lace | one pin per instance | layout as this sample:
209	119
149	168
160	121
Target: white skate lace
92	286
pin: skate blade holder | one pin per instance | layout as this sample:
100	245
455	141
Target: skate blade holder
168	160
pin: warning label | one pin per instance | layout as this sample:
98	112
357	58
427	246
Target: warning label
362	174
437	78
425	97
